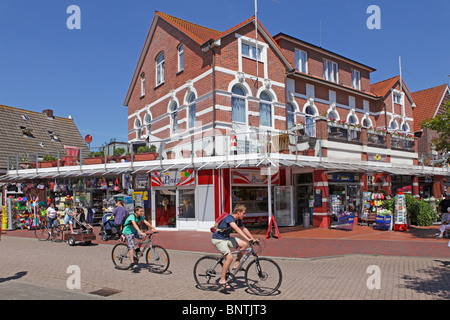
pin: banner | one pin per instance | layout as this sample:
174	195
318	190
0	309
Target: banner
253	177
173	178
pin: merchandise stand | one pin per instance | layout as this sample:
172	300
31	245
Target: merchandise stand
346	221
400	222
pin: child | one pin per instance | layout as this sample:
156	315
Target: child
68	218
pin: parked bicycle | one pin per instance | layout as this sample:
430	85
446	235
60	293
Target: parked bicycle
262	275
43	233
156	257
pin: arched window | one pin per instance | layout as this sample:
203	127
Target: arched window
352	119
290	115
148	123
174	117
265	109
332	115
160	69
366	123
405	127
191	110
309	121
137	127
238	104
394	125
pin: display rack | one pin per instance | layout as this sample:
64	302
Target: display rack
400	222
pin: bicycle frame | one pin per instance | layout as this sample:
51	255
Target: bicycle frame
249	251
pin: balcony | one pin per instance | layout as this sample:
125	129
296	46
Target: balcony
342	132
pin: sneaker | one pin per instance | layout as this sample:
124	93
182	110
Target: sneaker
134	267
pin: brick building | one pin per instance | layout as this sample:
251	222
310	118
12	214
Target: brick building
239	102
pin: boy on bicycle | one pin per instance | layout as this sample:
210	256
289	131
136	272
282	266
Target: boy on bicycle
131	231
222	240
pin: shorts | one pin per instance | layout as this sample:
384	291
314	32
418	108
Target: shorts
51	222
224	245
68	220
130	239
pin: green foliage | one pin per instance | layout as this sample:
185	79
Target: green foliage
96	154
49	157
421	212
440	123
119	151
146	149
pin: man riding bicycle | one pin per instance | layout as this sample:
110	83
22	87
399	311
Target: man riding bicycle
222	240
131	231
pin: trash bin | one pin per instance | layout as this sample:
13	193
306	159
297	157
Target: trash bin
306	219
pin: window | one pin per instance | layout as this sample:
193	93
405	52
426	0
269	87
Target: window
290	115
238	104
137	126
356	80
249	51
330	71
394	125
160	69
405	127
142	84
180	58
265	110
352	119
398	98
174	117
53	136
148	123
191	108
309	121
301	61
27	132
332	115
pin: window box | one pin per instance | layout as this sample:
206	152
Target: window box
94	160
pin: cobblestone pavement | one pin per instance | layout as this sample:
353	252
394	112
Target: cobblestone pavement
31	269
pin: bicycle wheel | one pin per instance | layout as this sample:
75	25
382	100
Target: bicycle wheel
57	234
157	259
207	271
263	276
121	257
41	233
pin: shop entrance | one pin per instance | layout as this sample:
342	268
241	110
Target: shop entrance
175	208
346	196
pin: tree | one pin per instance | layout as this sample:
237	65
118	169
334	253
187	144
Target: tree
441	124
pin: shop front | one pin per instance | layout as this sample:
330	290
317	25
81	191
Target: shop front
174	198
344	193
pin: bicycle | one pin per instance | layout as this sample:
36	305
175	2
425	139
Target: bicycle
156	257
43	233
263	276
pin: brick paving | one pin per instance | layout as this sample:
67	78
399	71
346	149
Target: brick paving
317	264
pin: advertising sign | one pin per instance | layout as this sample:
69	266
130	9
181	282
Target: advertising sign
173	178
253	177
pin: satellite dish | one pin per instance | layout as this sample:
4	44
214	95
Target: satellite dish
88	138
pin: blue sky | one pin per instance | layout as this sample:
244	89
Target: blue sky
86	73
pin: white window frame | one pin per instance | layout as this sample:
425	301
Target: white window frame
174	117
180	57
160	66
191	124
301	60
356	79
271	103
244	98
400	95
252	51
334	71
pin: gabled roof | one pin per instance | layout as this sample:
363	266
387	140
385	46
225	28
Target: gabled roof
202	36
13	141
198	33
428	102
382	88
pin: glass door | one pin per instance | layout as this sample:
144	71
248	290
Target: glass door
186	209
165	208
283	206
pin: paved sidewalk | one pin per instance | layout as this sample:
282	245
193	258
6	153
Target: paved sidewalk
298	242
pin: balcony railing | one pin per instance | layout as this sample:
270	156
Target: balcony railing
402	143
376	139
344	133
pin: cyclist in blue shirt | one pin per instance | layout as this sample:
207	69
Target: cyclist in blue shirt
223	241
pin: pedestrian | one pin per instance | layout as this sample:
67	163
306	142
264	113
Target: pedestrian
51	217
68	217
119	214
444	206
223	241
131	231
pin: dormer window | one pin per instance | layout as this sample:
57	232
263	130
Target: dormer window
25	117
250	51
53	136
398	97
26	132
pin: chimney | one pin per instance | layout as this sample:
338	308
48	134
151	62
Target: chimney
48	113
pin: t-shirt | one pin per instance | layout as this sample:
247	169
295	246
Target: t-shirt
119	214
51	212
225	224
444	204
128	225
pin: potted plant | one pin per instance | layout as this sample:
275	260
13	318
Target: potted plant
117	156
200	153
311	148
186	153
146	153
48	161
95	158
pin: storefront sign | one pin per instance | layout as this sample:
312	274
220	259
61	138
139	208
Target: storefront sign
141	181
173	178
318	198
376	157
343	177
253	178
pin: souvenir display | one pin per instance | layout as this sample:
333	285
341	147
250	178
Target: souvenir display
400	223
